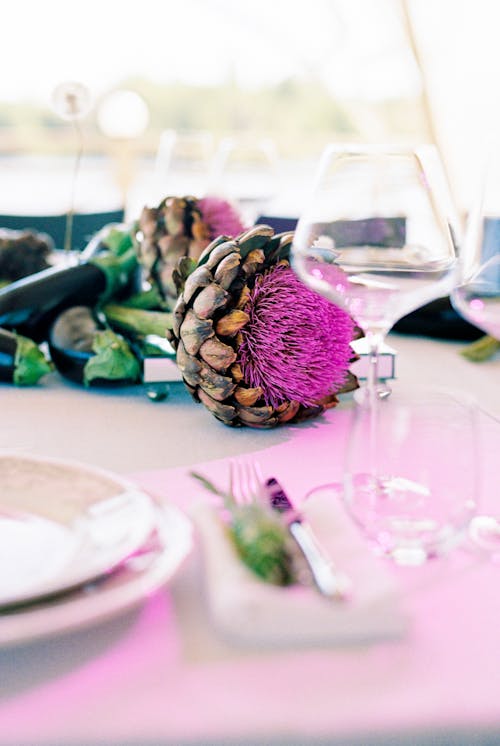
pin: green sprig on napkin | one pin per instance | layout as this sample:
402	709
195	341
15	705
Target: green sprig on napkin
259	536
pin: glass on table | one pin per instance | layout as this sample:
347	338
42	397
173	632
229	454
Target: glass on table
477	296
477	299
183	163
378	236
413	491
245	171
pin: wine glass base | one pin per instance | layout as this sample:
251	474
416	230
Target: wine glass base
407	556
484	534
403	541
362	395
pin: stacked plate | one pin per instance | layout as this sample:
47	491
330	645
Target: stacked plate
78	544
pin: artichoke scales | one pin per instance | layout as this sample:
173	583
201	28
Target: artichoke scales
211	321
167	233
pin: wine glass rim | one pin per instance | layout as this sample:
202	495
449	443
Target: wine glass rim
382	148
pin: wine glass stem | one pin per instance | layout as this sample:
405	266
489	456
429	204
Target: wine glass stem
374	343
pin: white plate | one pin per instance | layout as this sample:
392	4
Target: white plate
152	566
63	524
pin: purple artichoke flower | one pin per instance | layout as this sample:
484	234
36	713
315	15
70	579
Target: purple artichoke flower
296	345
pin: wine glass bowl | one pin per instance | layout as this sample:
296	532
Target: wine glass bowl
477	299
377	237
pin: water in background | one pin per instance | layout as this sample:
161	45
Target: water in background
41	185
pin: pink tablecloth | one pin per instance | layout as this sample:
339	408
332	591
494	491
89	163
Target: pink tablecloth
161	675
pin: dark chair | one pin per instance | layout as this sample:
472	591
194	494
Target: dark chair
84	225
278	224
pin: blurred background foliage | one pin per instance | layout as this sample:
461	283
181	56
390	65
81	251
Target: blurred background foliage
299	115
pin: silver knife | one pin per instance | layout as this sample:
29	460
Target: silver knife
330	581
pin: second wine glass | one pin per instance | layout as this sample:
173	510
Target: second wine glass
377	237
477	299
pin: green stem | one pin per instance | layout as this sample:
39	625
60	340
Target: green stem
118	270
137	321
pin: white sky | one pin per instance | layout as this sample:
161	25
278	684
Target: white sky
354	45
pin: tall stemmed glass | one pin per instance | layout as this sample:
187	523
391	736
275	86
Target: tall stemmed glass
477	299
377	237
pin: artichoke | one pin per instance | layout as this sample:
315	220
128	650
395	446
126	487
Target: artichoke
180	227
253	344
168	232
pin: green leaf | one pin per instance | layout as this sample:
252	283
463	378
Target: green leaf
147	300
118	241
114	360
482	349
30	364
263	542
137	320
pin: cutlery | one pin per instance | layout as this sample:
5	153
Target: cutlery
329	580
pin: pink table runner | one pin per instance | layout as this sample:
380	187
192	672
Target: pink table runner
162	676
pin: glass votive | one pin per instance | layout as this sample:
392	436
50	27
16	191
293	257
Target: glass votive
411	478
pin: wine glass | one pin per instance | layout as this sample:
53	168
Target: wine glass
245	171
378	237
183	163
404	491
477	299
477	296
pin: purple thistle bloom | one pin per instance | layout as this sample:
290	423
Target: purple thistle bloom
221	217
296	345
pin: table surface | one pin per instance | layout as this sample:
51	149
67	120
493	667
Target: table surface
160	675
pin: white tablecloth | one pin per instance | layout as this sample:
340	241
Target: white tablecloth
160	675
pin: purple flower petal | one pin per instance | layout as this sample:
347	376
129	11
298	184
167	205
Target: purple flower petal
296	346
221	217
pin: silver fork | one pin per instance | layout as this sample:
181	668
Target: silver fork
245	481
247	484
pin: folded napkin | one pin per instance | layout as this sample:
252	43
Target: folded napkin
246	610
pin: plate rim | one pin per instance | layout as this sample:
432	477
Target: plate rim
112	596
127	485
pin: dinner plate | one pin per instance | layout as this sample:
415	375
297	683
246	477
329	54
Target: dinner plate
63	524
152	565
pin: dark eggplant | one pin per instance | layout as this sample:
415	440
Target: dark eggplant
31	304
437	319
85	352
70	341
21	360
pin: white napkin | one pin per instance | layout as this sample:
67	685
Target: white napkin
247	610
